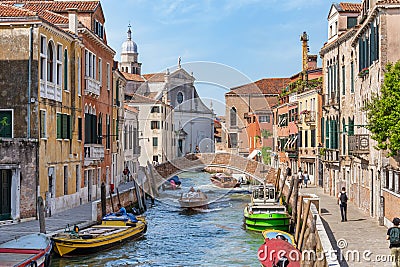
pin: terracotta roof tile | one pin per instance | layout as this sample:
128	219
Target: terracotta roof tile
11	11
263	86
388	2
133	109
57	6
351	7
154	77
53	17
133	77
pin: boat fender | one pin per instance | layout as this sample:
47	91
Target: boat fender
33	264
76	228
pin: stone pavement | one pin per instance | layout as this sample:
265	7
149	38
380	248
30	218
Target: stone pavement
360	235
81	216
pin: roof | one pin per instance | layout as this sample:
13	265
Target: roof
133	77
56	6
139	99
263	86
388	2
53	18
133	109
11	11
154	77
350	7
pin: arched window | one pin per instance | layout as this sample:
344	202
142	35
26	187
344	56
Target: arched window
232	115
179	97
50	63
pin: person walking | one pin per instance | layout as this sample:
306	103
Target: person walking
393	235
300	177
288	171
306	178
342	201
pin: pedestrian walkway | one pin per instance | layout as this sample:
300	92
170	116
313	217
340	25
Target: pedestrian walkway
362	241
81	216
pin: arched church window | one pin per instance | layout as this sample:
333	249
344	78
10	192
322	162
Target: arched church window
179	97
232	116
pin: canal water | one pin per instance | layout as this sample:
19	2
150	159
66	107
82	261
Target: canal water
206	237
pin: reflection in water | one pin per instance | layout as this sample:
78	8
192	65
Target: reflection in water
176	237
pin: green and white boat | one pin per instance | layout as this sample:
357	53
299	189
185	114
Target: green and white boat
264	211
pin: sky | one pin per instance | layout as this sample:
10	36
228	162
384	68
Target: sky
226	43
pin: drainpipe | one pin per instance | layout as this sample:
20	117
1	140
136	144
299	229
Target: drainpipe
29	82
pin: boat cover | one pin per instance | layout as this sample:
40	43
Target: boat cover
114	217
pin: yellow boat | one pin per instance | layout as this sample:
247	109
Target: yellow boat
113	231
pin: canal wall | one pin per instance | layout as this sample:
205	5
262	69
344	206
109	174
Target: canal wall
316	246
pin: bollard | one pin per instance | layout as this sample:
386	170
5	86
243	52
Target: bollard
103	200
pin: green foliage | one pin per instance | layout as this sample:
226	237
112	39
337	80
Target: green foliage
266	134
266	154
383	112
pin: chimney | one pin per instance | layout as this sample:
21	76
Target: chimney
73	20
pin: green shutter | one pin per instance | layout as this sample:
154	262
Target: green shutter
64	126
69	130
322	130
327	134
6	124
59	126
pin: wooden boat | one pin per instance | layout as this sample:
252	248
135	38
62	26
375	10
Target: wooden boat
113	231
224	181
278	252
29	250
271	234
264	211
193	199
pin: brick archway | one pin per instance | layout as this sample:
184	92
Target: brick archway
191	162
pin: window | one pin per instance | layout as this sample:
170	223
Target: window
100	73
155	109
352	77
90	128
6	123
65	180
43	57
313	138
59	65
343	80
179	97
43	131
100	129
233	142
232	115
108	76
300	139
351	22
305	138
66	70
155	159
155	125
155	141
90	64
63	126
79	128
50	63
98	29
126	137
108	132
79	77
265	118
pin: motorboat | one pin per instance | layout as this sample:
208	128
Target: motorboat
28	250
113	230
271	234
278	251
193	199
264	211
224	181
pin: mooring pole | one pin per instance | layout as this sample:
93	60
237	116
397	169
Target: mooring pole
42	222
103	200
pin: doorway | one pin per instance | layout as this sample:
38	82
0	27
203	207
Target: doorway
5	194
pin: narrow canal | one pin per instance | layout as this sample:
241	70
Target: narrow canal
211	237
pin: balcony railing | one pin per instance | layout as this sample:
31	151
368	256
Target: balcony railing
331	155
94	152
331	99
92	86
359	144
50	90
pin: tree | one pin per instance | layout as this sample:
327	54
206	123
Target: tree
383	112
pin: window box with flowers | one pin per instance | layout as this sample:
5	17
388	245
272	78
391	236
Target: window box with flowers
363	72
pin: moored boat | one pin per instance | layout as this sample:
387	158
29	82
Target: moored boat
113	231
264	211
29	250
224	181
278	252
193	199
271	234
172	183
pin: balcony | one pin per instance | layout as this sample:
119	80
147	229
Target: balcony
92	86
331	99
359	144
50	90
93	152
308	117
331	155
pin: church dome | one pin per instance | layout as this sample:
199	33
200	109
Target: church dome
129	46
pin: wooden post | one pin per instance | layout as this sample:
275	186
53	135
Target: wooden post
303	227
112	204
42	222
144	197
103	200
295	199
119	200
296	235
290	191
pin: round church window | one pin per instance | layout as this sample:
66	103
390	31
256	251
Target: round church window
179	97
